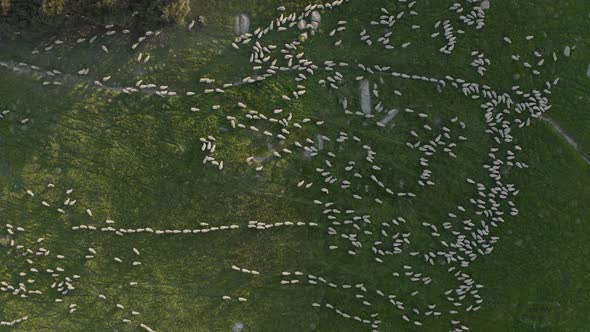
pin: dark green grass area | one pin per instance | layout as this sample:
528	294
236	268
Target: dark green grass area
137	160
541	259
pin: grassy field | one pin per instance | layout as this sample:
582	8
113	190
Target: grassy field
136	159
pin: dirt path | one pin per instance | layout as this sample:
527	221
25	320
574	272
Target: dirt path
65	78
73	79
567	137
78	79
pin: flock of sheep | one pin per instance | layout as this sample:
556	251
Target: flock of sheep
343	202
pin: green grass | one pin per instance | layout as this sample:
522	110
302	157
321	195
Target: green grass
137	160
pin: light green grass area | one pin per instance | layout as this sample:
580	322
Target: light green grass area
137	159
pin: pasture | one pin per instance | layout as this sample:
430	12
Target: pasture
355	220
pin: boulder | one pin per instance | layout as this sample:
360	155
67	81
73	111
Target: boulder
365	96
390	115
316	16
237	327
485	5
244	24
320	142
241	24
237	25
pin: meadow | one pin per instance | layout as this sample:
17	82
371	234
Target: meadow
136	159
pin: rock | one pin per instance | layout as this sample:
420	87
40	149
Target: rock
241	24
567	51
315	25
485	5
316	17
365	96
244	24
390	115
237	25
237	327
320	142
